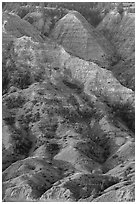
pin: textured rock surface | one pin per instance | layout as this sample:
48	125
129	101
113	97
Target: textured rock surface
79	38
96	80
40	21
120	30
44	19
14	25
68	135
78	186
28	179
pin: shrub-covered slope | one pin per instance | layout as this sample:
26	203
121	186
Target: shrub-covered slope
68	124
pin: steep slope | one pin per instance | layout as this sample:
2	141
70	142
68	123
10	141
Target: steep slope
14	25
68	134
120	31
95	79
44	18
80	39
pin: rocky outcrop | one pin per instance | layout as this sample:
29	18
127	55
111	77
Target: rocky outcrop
81	39
71	131
120	31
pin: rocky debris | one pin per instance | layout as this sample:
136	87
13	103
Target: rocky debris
71	128
80	39
120	31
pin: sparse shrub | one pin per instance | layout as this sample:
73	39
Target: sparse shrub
124	113
7	67
5	80
14	100
21	78
48	127
20	144
52	147
9	120
12	75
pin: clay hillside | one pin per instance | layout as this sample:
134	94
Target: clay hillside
68	102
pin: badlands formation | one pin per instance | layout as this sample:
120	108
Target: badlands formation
68	109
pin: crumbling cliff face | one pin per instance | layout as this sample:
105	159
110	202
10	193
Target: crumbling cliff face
68	123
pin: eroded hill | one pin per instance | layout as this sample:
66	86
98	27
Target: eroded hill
68	123
120	31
